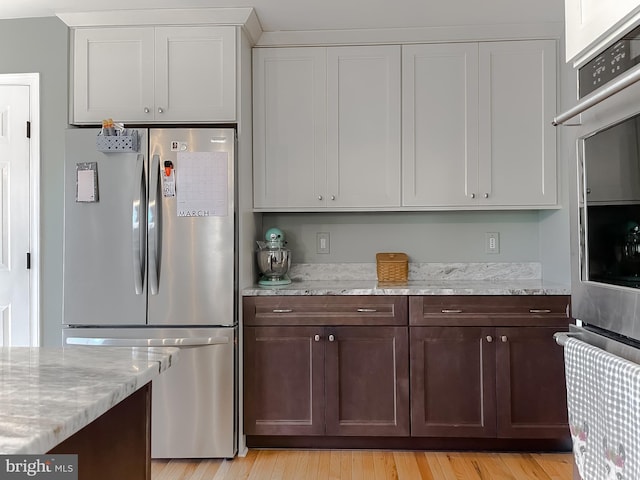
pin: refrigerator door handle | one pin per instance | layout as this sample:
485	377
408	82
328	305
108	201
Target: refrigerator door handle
138	233
148	342
153	225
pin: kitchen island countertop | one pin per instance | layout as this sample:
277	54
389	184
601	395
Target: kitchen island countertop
48	394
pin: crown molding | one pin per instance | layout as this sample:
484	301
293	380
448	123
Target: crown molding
244	17
455	33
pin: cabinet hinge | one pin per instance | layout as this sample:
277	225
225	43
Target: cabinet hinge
28	261
28	129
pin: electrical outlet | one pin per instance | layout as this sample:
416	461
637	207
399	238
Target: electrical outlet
322	242
492	242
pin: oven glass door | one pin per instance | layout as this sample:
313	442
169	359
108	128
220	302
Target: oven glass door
610	210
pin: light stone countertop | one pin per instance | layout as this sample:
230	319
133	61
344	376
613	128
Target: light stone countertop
418	287
424	279
48	394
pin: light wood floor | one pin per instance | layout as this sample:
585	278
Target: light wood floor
369	465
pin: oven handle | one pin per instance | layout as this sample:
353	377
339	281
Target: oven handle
620	83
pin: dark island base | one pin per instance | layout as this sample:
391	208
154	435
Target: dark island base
413	443
116	445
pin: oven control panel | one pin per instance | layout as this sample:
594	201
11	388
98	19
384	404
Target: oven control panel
621	56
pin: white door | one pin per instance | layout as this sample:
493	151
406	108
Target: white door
14	216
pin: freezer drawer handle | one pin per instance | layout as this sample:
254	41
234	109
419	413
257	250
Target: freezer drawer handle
139	234
147	342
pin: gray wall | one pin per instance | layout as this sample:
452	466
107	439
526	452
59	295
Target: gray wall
39	45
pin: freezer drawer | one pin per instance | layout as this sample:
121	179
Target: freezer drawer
194	404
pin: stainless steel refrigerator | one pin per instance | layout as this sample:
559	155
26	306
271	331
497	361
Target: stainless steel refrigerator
150	258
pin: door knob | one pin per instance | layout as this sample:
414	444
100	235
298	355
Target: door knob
319	197
504	339
146	110
160	110
332	338
489	339
473	195
316	338
486	195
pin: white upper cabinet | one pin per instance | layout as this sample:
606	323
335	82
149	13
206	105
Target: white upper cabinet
363	127
590	25
327	128
439	124
154	74
477	127
517	142
290	125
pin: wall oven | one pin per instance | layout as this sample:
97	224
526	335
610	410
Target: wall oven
605	191
601	360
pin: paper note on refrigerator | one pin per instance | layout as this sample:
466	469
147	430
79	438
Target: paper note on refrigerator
201	184
87	182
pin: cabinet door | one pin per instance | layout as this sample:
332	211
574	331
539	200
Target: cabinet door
517	142
530	383
363	137
453	382
439	125
113	74
592	24
367	381
195	74
289	149
283	381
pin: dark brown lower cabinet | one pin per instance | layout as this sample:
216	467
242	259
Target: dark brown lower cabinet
530	383
453	380
487	382
322	380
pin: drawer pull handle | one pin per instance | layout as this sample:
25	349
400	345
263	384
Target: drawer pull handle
489	339
282	310
504	339
332	338
451	310
539	310
367	310
316	338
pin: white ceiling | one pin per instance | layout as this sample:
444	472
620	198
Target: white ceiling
303	15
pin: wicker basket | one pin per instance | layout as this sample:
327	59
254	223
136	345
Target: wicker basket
392	267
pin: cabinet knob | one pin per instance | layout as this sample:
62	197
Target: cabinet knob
319	197
473	195
332	338
316	338
146	110
333	197
504	339
489	339
160	110
588	191
486	195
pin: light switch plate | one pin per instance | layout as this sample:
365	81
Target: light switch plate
492	242
322	242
